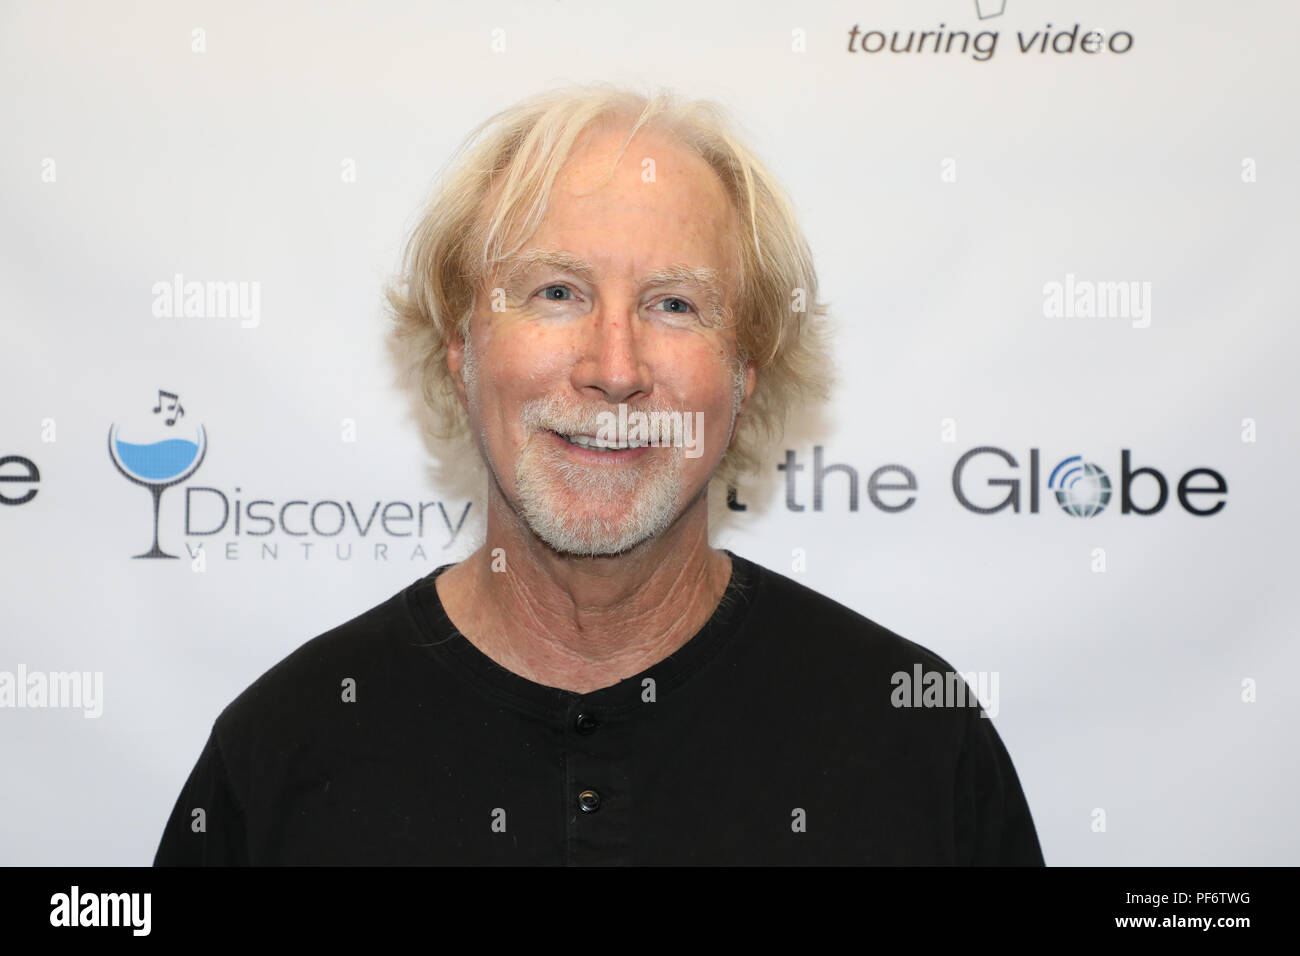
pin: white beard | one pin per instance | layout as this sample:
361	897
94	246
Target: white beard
582	509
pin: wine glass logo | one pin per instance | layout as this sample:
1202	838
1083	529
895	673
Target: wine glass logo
154	453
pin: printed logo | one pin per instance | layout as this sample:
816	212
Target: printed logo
1082	488
151	451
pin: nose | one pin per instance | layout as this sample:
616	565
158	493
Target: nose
612	364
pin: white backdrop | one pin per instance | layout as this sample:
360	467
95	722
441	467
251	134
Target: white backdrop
1146	662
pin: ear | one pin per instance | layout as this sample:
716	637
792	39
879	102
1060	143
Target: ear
751	380
456	366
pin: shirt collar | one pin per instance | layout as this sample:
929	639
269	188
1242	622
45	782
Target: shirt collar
458	653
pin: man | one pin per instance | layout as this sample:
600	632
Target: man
596	684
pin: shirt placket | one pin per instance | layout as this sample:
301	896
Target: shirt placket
597	793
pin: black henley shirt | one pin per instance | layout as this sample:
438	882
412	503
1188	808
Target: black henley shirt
770	737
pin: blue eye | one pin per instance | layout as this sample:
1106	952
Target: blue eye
686	307
546	293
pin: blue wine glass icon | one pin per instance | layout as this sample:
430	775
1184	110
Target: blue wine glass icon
157	462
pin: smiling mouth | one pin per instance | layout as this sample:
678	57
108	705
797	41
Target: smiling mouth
591	443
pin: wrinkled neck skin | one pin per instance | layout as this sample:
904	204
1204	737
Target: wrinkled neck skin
583	623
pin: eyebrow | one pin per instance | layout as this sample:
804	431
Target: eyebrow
704	279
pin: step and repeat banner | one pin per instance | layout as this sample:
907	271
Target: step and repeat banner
1057	241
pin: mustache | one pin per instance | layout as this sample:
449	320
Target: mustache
554	414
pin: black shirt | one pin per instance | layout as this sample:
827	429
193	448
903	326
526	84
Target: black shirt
770	737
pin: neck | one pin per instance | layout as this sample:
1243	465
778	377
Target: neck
582	623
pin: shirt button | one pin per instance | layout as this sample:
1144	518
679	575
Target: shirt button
586	724
589	801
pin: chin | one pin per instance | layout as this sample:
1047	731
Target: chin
575	518
575	543
576	531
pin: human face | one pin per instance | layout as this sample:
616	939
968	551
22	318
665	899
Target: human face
620	297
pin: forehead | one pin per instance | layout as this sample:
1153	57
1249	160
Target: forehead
654	206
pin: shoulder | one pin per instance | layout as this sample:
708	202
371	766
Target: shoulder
293	696
790	608
818	655
857	687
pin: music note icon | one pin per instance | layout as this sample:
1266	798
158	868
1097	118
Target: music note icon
173	406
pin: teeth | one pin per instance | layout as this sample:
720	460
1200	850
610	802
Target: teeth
600	444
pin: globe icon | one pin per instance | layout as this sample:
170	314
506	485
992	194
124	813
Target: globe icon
1083	491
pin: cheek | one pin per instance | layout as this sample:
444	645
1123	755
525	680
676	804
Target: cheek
527	351
709	383
706	388
519	363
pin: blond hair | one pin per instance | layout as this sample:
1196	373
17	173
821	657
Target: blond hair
495	194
